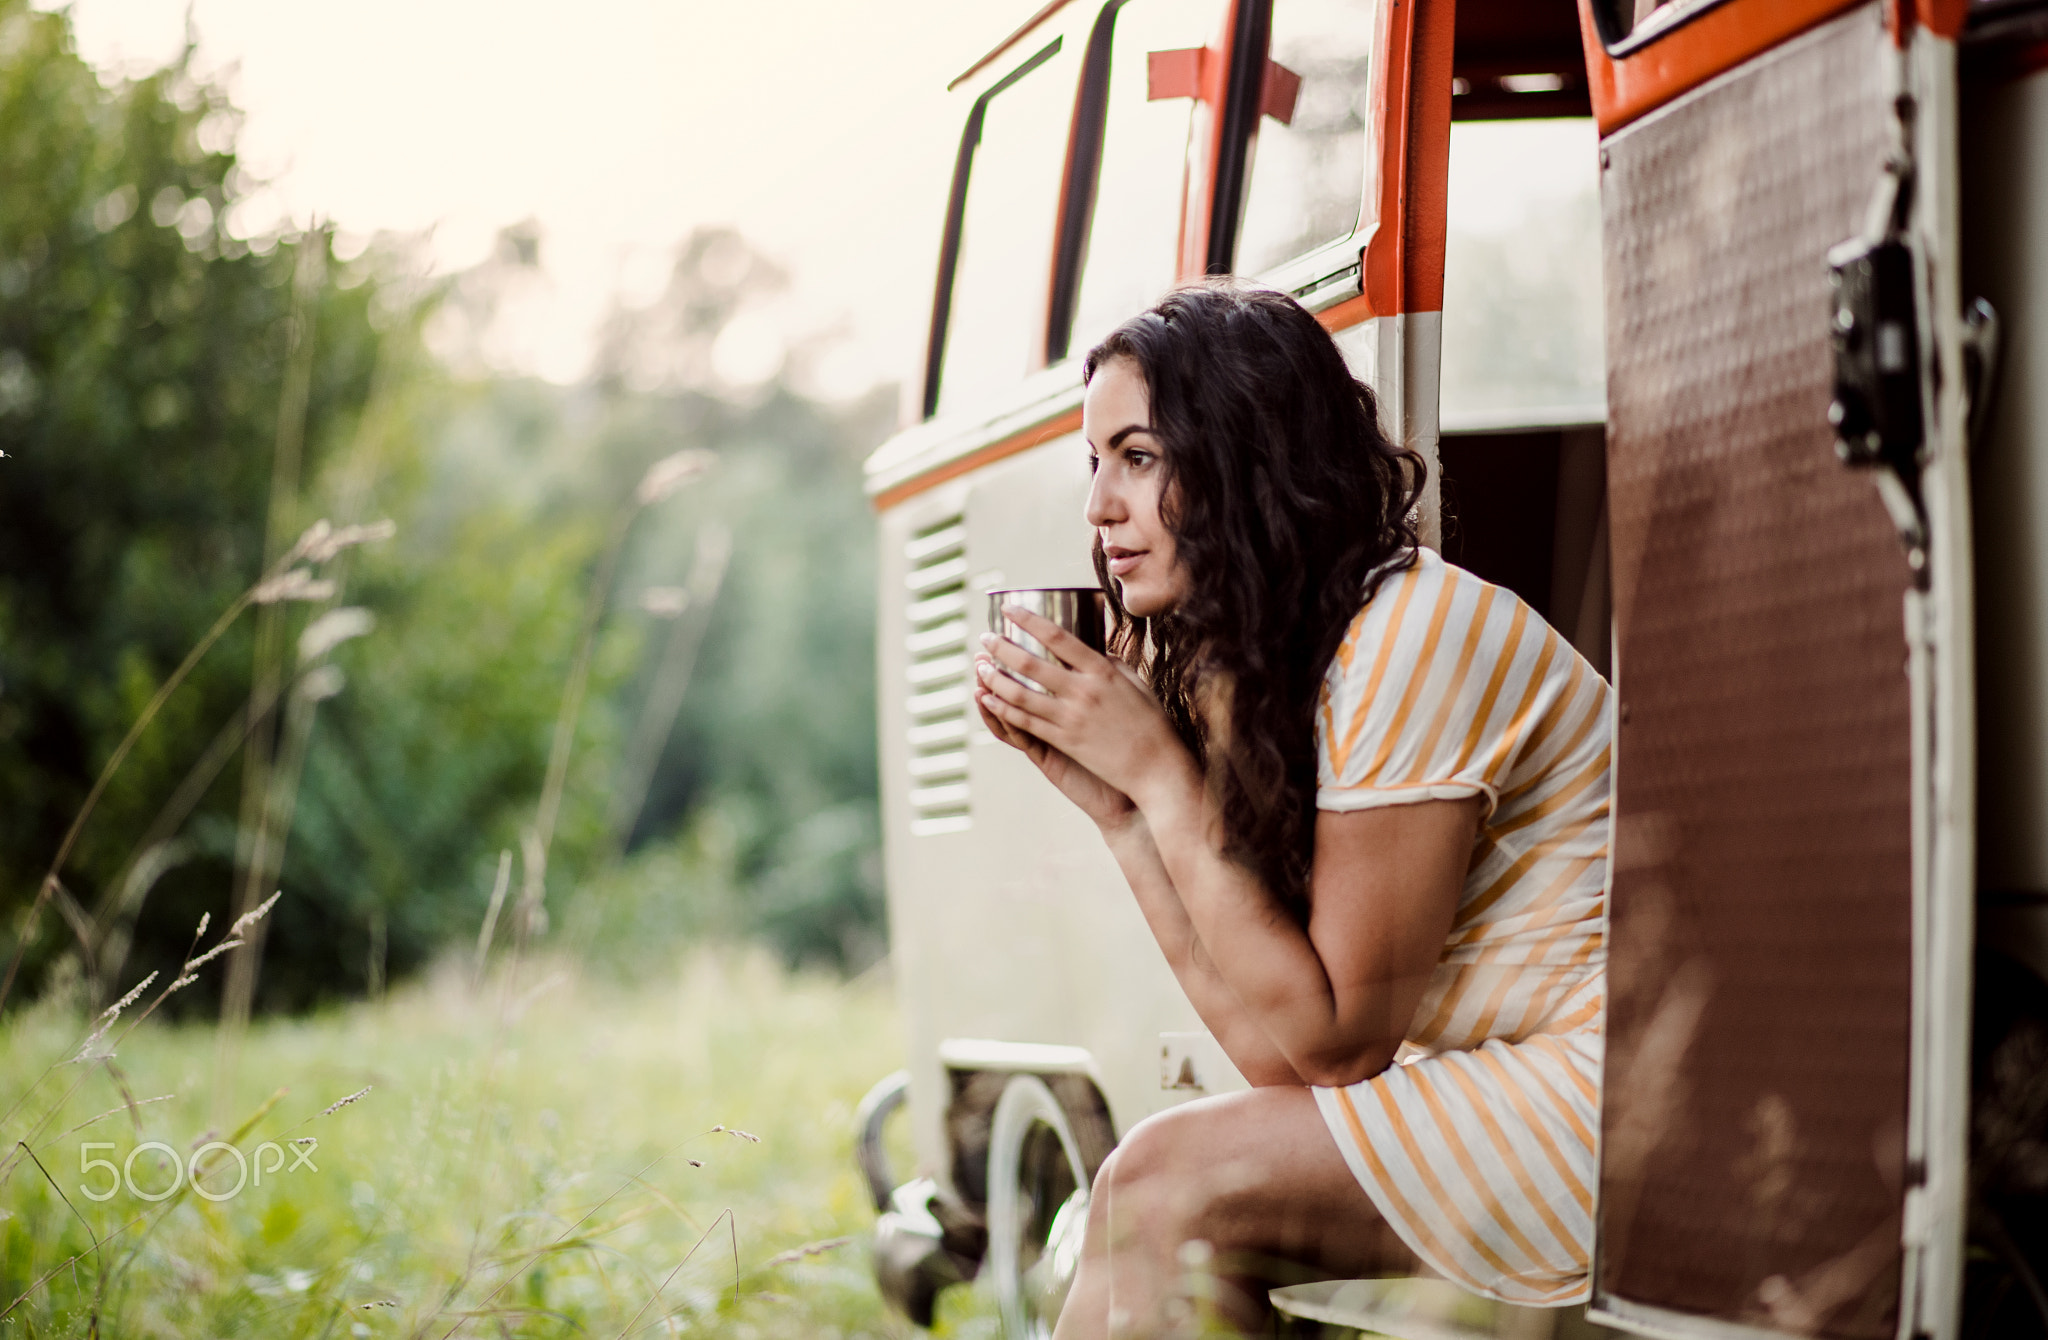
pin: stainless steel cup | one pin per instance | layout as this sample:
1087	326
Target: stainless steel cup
1081	610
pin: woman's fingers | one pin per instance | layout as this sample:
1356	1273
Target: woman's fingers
1071	650
1019	727
988	705
1014	658
1014	704
1025	743
995	724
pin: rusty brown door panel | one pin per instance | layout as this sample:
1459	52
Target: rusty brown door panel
1761	938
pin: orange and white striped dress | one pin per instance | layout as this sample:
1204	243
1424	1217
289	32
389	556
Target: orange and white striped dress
1478	1144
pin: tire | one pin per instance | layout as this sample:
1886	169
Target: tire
1037	1207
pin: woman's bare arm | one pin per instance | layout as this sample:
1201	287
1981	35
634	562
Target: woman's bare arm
1241	1036
1334	998
1331	1000
1130	842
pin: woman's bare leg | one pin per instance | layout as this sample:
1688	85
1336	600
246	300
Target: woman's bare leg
1254	1175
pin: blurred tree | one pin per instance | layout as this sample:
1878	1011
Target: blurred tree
142	352
144	342
762	817
776	742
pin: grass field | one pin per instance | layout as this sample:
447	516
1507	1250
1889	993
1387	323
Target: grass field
551	1156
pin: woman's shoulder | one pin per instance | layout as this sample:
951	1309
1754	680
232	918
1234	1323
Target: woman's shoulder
1437	678
1416	587
1426	615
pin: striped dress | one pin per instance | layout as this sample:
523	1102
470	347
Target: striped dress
1478	1144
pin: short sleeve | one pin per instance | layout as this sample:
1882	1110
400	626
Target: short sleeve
1422	700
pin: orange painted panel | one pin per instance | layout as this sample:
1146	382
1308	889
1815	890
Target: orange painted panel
1380	268
1626	87
1176	74
1402	269
1425	211
1282	90
1205	135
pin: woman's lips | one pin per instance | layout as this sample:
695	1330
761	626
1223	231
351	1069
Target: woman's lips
1122	561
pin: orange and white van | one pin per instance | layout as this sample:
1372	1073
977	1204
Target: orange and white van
1696	311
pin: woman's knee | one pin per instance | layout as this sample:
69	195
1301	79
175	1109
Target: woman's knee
1150	1153
1155	1180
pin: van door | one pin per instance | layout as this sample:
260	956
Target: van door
1783	1128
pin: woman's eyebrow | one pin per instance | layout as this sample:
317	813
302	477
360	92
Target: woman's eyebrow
1116	439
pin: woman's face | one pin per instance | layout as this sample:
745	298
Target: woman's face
1124	497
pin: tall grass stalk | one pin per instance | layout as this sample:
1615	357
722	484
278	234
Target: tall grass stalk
253	830
662	480
105	942
263	842
156	852
499	886
670	683
92	1048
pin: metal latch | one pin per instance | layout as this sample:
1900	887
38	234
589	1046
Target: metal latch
1876	410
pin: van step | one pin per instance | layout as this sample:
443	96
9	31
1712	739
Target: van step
1412	1308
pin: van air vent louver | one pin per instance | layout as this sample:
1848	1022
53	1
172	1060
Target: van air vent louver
939	662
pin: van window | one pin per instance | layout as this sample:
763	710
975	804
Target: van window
1643	20
996	310
1307	182
1523	318
1133	238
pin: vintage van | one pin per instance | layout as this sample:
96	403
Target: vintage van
1696	309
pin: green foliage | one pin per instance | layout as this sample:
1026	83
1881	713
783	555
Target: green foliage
772	764
762	816
428	764
145	351
142	353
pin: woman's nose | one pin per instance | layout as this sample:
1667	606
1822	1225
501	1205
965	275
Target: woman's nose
1105	504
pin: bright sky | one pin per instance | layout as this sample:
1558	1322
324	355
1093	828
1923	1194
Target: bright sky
820	128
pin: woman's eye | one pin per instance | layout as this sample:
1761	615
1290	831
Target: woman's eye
1138	457
1094	462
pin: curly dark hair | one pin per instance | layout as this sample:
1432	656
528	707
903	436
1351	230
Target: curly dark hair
1288	505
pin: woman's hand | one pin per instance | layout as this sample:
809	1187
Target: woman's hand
1107	806
1096	713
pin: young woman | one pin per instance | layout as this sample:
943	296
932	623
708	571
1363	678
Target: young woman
1361	798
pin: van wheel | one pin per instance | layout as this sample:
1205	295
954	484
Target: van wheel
1037	1207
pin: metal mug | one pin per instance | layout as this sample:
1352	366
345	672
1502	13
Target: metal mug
1081	610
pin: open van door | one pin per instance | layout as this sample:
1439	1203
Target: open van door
1783	1137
